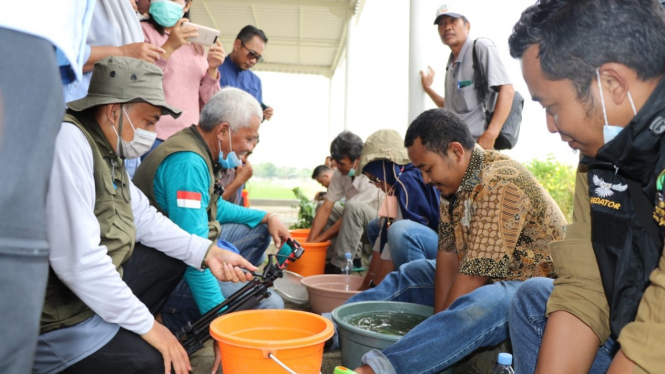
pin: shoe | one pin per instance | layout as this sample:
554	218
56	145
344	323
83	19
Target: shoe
331	269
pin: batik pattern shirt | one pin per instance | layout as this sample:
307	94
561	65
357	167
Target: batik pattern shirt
500	221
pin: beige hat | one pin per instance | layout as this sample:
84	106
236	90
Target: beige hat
383	145
448	9
125	80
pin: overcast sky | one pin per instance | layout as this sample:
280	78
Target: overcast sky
305	120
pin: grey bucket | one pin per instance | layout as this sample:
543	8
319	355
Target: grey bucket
355	342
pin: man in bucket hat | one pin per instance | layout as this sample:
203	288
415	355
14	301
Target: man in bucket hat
114	259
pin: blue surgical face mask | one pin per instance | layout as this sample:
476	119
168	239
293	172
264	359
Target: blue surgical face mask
231	160
352	172
166	13
611	131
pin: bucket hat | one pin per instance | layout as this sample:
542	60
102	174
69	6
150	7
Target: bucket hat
125	80
383	145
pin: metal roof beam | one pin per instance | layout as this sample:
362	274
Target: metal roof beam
294	69
309	3
291	42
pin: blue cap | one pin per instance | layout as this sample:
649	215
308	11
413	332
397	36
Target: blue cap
505	359
347	255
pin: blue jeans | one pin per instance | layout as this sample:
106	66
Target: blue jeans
527	326
252	243
474	320
410	241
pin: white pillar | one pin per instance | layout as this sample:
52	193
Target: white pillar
351	26
420	23
330	107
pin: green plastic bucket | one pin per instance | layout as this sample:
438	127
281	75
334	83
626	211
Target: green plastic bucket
355	342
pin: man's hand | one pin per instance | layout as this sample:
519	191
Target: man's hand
277	230
224	265
163	340
215	58
487	139
142	51
427	79
267	113
178	37
244	172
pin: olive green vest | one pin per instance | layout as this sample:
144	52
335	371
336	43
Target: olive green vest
186	140
113	209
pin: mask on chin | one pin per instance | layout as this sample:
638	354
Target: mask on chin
611	131
231	160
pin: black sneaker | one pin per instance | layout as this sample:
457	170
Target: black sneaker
331	269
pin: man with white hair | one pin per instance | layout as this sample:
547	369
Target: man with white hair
180	178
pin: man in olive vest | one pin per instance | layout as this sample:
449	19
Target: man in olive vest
114	259
180	177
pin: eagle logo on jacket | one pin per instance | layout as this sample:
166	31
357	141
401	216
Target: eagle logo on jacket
604	189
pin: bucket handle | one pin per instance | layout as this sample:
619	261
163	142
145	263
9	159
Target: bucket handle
274	358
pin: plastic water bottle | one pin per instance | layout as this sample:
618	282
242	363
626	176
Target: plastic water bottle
347	265
503	364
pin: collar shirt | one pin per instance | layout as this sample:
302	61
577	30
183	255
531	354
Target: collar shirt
461	97
246	80
500	221
353	188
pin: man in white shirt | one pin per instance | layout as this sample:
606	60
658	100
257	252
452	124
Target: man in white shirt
114	259
362	203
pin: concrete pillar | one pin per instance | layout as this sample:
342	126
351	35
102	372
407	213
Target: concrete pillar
349	71
420	22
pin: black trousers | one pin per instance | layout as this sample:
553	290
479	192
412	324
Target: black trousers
152	276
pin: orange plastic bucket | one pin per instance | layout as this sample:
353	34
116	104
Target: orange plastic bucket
313	261
299	234
295	338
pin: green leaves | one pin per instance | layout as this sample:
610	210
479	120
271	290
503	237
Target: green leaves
558	179
306	210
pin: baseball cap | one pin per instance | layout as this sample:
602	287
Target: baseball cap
448	9
125	80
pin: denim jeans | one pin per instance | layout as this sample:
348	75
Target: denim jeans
252	243
410	241
527	326
474	320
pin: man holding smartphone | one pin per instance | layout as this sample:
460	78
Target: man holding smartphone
247	52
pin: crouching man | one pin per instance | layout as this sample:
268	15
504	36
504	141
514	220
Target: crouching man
114	259
179	178
496	223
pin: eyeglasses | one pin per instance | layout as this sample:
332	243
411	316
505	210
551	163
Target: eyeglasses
374	180
251	54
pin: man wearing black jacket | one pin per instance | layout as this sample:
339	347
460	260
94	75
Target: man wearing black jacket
584	62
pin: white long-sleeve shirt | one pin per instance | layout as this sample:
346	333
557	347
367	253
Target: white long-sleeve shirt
78	258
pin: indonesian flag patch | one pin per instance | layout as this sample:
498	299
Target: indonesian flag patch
188	199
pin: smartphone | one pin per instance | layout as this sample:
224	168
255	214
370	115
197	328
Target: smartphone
207	36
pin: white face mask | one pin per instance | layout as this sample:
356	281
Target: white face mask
139	145
610	131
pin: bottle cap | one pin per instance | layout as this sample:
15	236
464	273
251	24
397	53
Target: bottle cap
347	255
505	359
